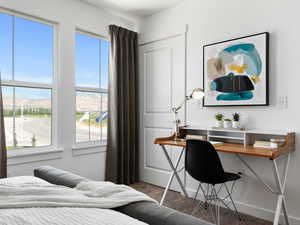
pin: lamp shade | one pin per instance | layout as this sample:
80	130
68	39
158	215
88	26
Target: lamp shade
197	93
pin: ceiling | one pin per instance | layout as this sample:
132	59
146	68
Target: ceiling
138	8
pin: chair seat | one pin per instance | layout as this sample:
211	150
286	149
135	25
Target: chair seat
231	176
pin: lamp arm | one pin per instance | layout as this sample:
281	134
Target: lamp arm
176	109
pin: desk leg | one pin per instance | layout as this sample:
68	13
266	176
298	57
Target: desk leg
174	173
281	202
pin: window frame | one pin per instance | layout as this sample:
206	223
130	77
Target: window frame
54	146
94	143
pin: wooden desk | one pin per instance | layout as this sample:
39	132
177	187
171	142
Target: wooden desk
239	150
289	146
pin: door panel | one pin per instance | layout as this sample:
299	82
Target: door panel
158	80
162	82
155	157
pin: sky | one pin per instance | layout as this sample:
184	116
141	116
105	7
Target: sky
89	53
33	56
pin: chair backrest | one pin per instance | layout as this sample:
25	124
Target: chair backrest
203	163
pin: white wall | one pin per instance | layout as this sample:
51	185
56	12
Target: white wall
68	14
214	20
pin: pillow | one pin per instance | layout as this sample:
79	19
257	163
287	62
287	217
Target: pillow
23	180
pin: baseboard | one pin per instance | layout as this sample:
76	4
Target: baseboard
253	210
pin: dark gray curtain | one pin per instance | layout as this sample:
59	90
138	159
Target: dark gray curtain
3	159
122	160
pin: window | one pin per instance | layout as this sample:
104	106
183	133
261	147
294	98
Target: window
26	67
92	55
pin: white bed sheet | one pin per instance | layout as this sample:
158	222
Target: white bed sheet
65	216
32	201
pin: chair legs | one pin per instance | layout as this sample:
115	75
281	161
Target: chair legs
212	195
205	205
197	191
235	209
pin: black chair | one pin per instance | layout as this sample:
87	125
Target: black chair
203	164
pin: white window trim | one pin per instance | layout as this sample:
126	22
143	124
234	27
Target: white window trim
12	83
27	16
34	155
87	89
83	148
91	34
54	147
99	144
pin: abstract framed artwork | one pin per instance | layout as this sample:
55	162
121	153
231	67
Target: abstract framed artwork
236	73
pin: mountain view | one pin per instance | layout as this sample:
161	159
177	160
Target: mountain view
84	103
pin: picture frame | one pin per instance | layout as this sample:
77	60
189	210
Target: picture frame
236	72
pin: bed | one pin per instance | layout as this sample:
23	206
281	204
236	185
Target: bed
63	205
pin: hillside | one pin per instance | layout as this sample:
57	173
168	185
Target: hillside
84	103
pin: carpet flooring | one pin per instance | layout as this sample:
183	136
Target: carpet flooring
186	205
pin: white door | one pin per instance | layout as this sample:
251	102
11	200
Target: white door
162	85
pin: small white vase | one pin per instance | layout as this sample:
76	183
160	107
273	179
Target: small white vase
227	124
236	124
219	123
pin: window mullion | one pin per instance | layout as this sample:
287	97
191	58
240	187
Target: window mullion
88	89
101	111
100	82
89	126
13	48
14	134
100	64
25	84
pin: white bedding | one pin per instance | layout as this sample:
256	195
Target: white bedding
23	180
30	201
65	216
